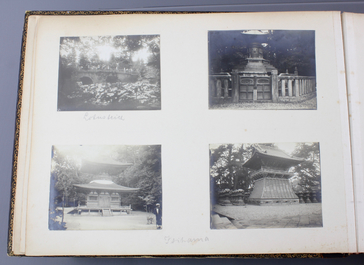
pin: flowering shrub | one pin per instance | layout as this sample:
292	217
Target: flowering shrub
104	94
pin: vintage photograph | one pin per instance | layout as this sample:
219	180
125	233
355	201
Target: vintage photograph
102	187
262	69
267	185
109	73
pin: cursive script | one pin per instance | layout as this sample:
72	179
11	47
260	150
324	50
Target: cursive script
189	240
96	117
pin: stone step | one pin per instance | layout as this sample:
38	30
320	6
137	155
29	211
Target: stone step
106	212
222	222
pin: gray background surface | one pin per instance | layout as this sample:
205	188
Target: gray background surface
11	26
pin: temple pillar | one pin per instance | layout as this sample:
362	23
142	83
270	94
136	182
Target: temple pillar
274	85
310	86
290	87
218	88
255	94
226	88
314	84
212	88
296	87
283	83
235	89
305	86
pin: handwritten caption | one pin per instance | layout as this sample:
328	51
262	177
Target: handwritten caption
97	117
181	240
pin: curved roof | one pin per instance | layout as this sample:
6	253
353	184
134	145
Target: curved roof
103	165
105	185
269	152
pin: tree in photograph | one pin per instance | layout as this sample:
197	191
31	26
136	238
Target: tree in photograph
145	174
225	52
63	174
309	171
137	57
85	62
134	44
66	172
287	49
284	49
227	169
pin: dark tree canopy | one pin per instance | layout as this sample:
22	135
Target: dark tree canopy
309	171
124	72
284	49
87	52
144	173
227	171
226	166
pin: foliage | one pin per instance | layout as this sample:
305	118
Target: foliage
135	60
86	52
292	48
144	173
227	171
284	49
226	166
55	216
309	171
128	94
65	173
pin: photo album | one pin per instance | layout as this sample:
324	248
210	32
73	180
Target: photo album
165	134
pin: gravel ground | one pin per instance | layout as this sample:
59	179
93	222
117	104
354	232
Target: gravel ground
283	216
310	104
134	221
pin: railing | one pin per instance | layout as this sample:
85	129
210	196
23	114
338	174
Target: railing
111	70
100	210
296	86
284	87
220	85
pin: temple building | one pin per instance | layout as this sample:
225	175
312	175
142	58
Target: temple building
256	80
270	174
104	197
254	77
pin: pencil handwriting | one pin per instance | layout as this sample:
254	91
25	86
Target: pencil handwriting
95	117
189	240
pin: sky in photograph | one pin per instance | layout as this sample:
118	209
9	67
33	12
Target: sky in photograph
103	47
288	148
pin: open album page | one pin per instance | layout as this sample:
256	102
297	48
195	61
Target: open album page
162	134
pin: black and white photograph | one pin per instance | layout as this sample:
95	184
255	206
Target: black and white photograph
262	69
109	73
105	187
265	185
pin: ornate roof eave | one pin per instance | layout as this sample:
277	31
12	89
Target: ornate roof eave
256	153
270	173
105	187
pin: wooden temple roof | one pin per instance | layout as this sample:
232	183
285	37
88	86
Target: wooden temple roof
106	185
270	153
103	165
